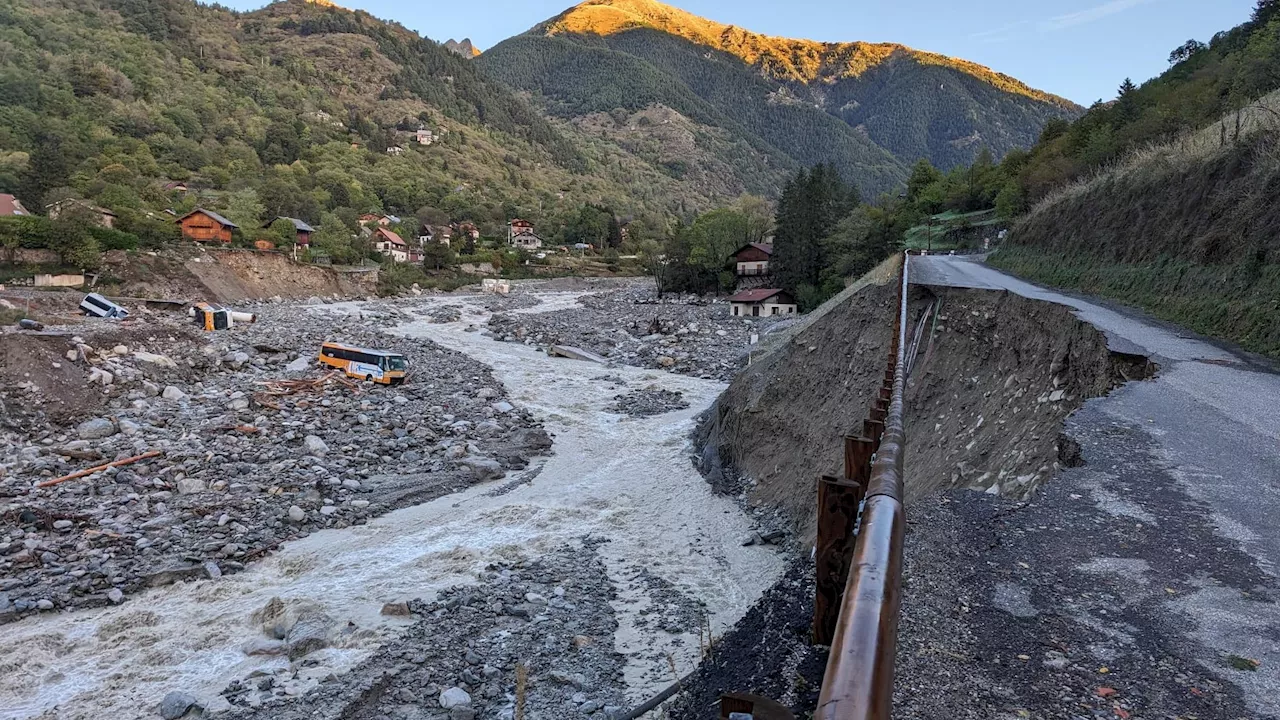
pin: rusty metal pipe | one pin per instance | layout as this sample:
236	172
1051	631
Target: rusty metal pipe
859	679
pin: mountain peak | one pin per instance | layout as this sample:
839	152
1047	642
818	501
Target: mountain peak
463	47
787	59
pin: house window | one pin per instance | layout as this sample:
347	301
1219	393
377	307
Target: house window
735	310
755	311
775	310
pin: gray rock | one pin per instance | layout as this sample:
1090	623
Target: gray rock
129	427
62	524
315	446
503	407
171	574
173	393
96	429
176	704
313	631
297	514
454	697
483	468
190	486
115	595
302	364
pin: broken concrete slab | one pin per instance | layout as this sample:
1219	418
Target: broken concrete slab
573	353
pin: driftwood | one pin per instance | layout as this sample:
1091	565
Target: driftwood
99	468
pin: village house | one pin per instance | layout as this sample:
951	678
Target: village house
206	226
763	302
11	206
302	229
520	234
467	229
390	244
395	150
381	220
753	260
424	137
176	186
103	216
440	234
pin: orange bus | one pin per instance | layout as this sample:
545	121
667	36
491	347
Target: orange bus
379	366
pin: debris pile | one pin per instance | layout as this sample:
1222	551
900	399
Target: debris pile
649	401
690	334
246	444
533	634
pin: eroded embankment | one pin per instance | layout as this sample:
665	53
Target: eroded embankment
231	275
996	376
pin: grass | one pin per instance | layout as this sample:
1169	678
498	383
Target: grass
1238	302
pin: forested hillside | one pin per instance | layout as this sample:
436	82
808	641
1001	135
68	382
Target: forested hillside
1167	197
300	110
869	110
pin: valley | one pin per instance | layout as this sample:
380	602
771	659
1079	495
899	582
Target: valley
629	364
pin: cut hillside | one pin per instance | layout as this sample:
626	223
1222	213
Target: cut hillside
996	376
1186	230
870	108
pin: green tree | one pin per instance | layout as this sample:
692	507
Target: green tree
437	256
244	209
71	237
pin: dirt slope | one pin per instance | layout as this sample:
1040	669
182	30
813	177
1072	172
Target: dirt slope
231	276
994	381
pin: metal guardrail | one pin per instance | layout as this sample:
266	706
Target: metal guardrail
861	528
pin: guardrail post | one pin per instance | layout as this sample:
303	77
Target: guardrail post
838	504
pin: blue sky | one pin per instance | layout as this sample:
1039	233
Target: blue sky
1080	49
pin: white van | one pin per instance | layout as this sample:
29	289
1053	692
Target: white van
95	305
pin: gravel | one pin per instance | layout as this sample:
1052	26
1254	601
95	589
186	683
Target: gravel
550	619
649	401
687	334
239	471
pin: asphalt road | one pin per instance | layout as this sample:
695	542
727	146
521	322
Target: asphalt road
1184	477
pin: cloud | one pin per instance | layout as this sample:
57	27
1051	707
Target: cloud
1089	15
1001	33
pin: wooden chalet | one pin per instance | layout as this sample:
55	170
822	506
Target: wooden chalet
206	226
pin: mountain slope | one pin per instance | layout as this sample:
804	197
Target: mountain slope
872	109
290	110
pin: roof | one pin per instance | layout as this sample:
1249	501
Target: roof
10	205
755	296
384	353
81	203
390	236
218	218
765	248
298	225
518	221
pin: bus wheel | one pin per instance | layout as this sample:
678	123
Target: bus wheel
368	378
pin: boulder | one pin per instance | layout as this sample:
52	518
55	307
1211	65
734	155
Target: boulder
96	429
454	697
176	704
173	393
315	446
313	631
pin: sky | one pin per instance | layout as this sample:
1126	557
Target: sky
1079	49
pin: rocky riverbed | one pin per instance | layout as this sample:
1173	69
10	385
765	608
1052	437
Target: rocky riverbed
240	465
571	586
686	334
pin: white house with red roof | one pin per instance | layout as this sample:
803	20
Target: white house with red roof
763	302
390	244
